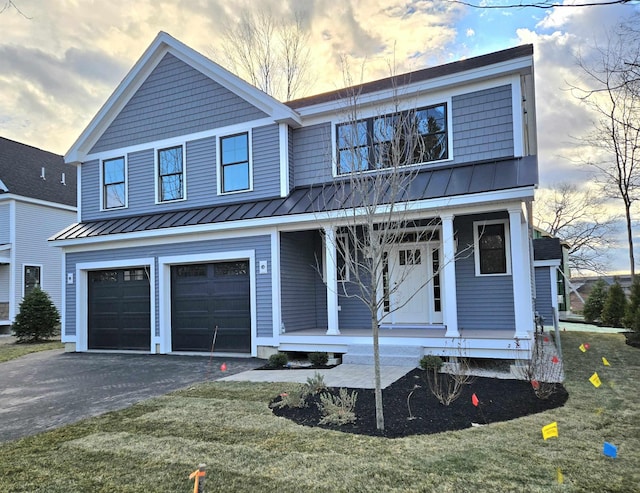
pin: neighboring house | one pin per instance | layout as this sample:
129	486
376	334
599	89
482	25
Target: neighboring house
37	199
204	202
584	285
550	285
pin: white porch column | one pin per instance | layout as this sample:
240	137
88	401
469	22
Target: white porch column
332	280
521	274
449	298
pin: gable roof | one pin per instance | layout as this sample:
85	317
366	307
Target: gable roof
161	45
21	169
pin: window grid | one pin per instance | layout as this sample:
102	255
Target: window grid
170	174
113	180
234	163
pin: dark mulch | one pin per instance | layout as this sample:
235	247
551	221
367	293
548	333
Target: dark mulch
632	339
500	400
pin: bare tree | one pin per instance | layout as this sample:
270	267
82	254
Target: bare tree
269	52
581	220
10	4
612	91
378	240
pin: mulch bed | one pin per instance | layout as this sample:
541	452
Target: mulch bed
632	339
499	400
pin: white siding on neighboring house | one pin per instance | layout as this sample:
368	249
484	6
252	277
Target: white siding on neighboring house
34	225
5	222
4	283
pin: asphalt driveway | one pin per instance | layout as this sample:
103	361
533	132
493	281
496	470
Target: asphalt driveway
42	391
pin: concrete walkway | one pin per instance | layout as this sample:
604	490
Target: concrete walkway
354	376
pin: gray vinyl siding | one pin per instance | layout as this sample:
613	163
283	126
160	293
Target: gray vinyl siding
261	245
299	280
543	294
201	169
484	302
5	223
312	154
174	100
34	225
354	314
482	125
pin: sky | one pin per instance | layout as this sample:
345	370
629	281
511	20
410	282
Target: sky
61	59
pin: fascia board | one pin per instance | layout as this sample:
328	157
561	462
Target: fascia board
161	45
464	204
521	65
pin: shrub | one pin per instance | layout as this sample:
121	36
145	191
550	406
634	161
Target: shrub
318	359
38	318
315	383
615	306
431	362
595	302
338	409
278	360
296	397
632	315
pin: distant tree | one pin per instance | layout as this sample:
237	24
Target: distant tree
595	302
268	51
581	220
615	306
38	318
632	317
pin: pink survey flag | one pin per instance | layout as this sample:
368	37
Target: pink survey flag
223	367
474	400
555	360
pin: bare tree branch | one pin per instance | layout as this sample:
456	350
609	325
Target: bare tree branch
545	4
10	4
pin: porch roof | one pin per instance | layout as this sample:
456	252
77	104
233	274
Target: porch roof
430	183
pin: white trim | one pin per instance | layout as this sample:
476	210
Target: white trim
164	268
449	296
507	247
156	163
82	295
331	281
126	183
463	204
13	309
32	264
521	274
547	263
283	141
219	138
517	112
7	197
63	296
78	194
3	187
276	287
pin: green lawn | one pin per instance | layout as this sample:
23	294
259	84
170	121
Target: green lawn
153	446
10	350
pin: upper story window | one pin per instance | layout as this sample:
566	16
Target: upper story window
410	137
234	163
114	188
170	174
491	241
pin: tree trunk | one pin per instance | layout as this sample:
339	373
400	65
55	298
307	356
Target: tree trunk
376	369
632	262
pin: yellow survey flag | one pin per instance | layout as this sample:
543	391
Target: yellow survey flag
605	362
560	476
595	380
551	430
582	348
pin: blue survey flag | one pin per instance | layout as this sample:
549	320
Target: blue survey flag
610	450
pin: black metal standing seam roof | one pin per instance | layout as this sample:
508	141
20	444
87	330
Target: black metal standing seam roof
547	249
428	184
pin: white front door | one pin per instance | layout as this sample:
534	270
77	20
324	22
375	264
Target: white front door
413	289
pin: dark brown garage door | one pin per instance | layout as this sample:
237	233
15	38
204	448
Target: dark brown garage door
119	309
204	296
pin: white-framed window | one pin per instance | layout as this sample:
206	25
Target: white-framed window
31	278
170	173
114	183
491	250
235	163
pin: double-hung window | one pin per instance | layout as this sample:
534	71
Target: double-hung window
114	183
234	163
32	278
400	139
492	253
170	174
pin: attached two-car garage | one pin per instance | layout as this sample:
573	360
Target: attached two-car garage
203	296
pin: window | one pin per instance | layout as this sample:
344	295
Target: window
491	247
410	137
31	278
113	183
170	174
234	163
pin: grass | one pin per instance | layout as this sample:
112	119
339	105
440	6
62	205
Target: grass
155	445
10	350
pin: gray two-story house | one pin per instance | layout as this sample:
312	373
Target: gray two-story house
206	203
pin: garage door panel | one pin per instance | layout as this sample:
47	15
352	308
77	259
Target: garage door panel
208	295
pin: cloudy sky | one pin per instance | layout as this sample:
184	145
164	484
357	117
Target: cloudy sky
61	59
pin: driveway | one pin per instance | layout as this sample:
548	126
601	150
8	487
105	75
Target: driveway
42	391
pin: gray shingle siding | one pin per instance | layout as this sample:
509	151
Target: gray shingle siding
260	244
174	100
484	302
266	163
482	125
312	154
543	294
